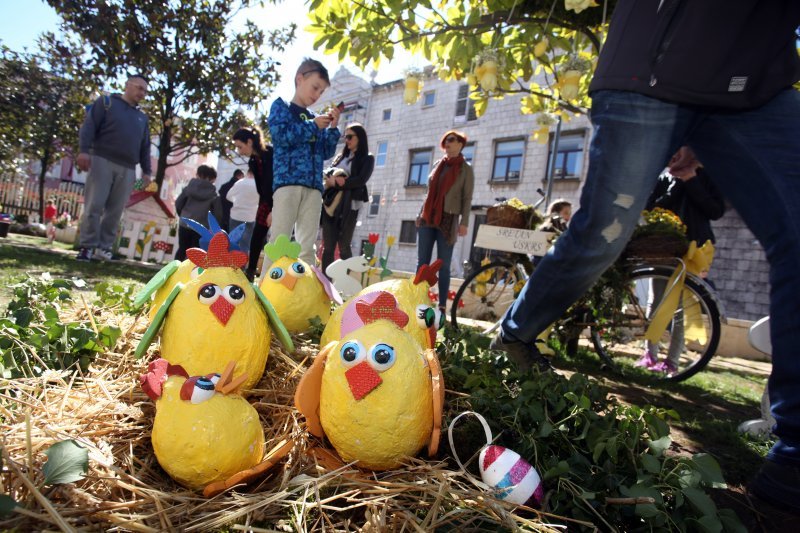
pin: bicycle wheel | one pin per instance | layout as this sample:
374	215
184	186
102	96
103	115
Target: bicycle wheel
485	295
689	341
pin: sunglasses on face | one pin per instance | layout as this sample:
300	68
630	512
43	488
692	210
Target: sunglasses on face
452	139
349	136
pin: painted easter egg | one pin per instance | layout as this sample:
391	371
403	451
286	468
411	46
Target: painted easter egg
515	479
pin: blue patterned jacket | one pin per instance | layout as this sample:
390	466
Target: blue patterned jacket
300	147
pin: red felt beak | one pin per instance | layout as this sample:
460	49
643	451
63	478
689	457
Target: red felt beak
362	379
223	310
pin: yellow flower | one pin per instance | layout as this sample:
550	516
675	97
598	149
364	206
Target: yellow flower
390	240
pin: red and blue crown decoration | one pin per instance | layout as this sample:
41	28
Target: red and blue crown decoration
207	233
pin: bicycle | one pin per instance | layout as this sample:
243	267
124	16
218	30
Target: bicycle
618	328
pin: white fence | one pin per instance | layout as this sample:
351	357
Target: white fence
145	241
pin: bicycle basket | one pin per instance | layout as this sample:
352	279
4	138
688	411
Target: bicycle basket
506	216
656	246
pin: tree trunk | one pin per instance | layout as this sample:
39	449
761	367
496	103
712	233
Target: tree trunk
164	148
44	163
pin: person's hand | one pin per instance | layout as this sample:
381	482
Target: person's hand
269	219
418	222
334	114
462	231
322	121
84	162
149	184
684	164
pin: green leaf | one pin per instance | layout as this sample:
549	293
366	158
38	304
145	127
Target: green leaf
711	524
23	316
730	521
658	446
710	470
561	468
650	463
7	505
67	462
700	500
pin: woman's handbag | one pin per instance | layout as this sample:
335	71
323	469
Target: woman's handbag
331	198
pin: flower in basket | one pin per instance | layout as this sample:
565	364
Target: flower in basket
662	234
413	85
544	121
660	220
571	72
63	220
488	62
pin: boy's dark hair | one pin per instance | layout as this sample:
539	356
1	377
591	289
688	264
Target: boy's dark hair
206	172
312	65
140	76
238	172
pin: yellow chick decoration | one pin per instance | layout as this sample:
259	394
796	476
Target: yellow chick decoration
206	435
413	298
299	292
375	393
216	317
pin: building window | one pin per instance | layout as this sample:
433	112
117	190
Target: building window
569	159
468	152
420	167
508	160
465	106
380	158
428	98
374	205
387	114
408	232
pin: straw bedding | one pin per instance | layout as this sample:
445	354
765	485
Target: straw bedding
126	489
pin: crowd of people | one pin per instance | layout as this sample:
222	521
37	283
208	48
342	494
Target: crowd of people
722	95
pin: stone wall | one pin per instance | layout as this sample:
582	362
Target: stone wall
740	270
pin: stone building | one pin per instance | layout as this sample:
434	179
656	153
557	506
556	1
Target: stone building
507	163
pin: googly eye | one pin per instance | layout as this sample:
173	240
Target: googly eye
234	294
196	271
381	357
198	389
276	273
426	316
208	293
298	269
352	353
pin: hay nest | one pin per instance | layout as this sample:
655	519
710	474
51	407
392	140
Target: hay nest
126	489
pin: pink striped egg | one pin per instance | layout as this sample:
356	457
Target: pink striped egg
515	480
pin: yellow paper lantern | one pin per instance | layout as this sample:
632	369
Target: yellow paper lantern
411	92
488	76
570	81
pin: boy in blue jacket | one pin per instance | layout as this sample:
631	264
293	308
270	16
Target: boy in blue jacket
302	141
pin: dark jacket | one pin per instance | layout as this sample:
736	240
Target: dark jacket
355	186
696	202
734	54
263	174
226	205
115	130
197	199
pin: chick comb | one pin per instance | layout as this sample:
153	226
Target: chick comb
429	273
282	247
218	255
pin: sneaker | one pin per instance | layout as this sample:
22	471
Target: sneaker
647	360
667	367
84	254
103	255
778	485
524	356
250	274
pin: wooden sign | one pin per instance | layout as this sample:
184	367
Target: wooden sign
520	241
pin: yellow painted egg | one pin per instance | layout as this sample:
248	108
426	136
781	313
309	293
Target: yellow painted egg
375	398
201	443
217	318
296	294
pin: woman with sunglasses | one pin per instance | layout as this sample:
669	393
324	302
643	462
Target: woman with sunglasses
445	213
345	193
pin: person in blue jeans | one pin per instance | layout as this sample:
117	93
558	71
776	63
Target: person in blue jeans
445	212
674	73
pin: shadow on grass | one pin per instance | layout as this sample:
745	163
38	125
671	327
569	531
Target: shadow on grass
710	411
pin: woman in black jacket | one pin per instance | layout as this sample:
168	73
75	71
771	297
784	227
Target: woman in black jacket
249	142
339	216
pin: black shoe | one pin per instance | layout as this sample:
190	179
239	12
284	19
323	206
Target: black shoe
524	356
250	274
778	485
84	254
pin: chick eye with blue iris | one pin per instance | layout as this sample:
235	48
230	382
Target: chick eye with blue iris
381	357
276	273
352	353
297	269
